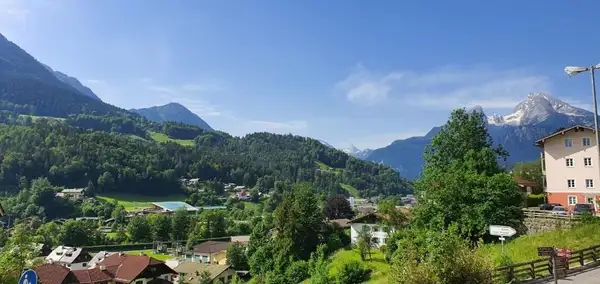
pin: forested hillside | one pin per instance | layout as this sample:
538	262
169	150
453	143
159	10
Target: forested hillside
27	87
72	157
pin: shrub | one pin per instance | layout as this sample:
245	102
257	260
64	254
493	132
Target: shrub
352	272
534	200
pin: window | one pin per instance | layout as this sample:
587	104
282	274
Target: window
568	143
571	183
572	199
589	200
569	162
375	229
586	141
587	162
589	183
139	282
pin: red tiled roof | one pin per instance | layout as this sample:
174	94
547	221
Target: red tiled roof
91	276
128	267
51	273
524	182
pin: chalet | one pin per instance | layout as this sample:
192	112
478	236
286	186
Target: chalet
527	186
372	223
72	193
189	272
115	268
212	252
72	258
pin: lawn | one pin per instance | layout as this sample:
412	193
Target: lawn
160	137
133	201
250	205
149	252
524	248
350	189
378	265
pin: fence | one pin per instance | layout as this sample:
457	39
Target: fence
542	268
547	214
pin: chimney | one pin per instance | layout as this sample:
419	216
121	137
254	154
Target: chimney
102	267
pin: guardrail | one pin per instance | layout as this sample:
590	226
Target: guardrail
531	271
547	214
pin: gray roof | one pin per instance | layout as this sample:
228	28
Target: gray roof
73	190
98	257
67	255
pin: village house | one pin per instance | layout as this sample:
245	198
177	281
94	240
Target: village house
72	258
372	223
570	166
190	272
527	186
116	268
212	252
172	206
74	194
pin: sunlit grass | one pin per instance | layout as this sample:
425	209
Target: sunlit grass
160	137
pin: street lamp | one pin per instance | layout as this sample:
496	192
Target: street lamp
574	70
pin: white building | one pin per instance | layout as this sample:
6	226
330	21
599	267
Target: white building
373	224
71	257
72	193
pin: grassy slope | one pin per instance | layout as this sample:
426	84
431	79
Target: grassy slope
353	191
160	137
141	201
378	265
350	189
524	248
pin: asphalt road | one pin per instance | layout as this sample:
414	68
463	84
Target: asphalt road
588	277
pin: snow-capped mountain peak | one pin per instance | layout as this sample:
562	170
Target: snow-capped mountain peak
351	150
537	107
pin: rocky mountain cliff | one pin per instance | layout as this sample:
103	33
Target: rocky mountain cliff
535	117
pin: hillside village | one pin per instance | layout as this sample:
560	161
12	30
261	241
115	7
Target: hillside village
201	144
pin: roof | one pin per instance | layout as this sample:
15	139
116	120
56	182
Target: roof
213	207
127	267
72	190
212	247
174	205
370	218
100	256
540	142
1	211
91	276
51	273
524	182
342	223
240	239
68	255
192	270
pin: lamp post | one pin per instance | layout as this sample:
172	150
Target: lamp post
574	70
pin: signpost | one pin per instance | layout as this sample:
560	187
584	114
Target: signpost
28	277
545	251
502	232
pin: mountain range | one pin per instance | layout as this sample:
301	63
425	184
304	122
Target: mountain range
535	117
172	112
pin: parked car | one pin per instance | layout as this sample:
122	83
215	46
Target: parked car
548	206
583	208
560	211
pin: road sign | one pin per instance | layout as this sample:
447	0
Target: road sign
563	252
28	277
545	251
502	231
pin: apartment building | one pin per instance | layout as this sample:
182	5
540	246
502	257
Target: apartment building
570	166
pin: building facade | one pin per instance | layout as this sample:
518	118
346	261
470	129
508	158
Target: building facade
371	223
570	166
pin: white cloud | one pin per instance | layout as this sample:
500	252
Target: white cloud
443	88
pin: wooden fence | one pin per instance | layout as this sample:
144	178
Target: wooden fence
547	214
542	268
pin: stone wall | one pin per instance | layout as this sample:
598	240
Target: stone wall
542	224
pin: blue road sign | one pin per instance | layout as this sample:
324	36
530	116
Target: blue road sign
28	277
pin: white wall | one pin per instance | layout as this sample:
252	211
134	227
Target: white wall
376	230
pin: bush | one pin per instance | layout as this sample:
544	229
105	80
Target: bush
352	272
535	200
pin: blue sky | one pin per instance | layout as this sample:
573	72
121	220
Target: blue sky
345	71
